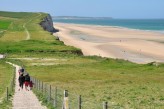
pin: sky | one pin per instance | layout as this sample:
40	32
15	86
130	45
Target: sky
126	9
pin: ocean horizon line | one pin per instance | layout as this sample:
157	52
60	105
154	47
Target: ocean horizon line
119	27
109	18
144	24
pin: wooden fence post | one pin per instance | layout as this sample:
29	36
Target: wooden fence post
12	85
65	103
39	84
13	80
80	102
105	105
42	86
34	83
7	94
55	101
45	89
49	93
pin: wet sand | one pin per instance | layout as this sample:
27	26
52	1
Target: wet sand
115	42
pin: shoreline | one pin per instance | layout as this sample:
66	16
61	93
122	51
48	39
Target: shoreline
133	45
119	27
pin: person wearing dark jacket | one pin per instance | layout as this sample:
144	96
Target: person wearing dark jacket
27	81
21	71
21	80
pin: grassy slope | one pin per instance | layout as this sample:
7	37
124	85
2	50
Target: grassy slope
6	72
33	46
4	25
41	41
122	83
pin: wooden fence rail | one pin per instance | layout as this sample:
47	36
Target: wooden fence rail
59	100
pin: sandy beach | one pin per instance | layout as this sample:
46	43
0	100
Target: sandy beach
115	42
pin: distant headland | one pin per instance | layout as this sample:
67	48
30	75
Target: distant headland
77	17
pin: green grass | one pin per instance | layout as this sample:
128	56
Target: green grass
6	72
34	46
6	104
5	76
4	25
43	98
121	83
16	32
15	14
41	41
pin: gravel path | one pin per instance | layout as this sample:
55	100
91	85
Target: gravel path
24	99
26	30
1	56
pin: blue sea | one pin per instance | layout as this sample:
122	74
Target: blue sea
141	24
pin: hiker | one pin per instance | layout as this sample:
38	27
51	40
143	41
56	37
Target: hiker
27	81
31	85
21	70
21	80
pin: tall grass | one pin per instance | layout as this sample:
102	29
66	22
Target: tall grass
97	79
119	82
6	72
5	76
34	46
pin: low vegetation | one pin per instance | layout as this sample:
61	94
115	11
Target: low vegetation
6	72
34	46
4	25
123	84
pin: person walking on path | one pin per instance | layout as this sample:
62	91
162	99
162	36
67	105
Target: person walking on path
21	80
31	85
21	70
27	81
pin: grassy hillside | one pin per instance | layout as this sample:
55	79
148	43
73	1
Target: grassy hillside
14	39
4	25
121	83
5	76
6	72
15	14
34	46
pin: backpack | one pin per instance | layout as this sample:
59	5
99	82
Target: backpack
27	78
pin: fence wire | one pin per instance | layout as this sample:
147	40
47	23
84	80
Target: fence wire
55	96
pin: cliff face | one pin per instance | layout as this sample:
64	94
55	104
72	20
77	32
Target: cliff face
47	24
